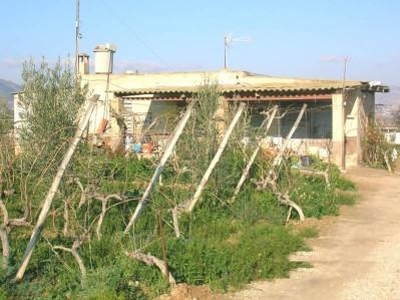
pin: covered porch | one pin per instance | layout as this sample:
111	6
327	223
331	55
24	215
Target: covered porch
332	127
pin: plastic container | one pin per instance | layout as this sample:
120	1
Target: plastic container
137	148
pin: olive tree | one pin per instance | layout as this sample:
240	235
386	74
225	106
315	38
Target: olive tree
49	106
50	102
6	117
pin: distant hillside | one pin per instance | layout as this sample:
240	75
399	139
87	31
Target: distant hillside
6	90
393	97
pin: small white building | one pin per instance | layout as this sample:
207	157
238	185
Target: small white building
333	125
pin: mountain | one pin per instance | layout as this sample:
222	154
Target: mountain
6	90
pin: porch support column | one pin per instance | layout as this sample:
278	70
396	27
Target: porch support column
338	137
221	116
360	113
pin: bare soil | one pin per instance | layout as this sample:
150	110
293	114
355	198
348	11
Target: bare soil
355	256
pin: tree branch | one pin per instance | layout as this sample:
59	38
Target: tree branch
6	246
104	202
83	193
74	251
151	260
4	231
272	177
283	198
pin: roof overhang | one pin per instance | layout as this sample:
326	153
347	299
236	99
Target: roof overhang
318	90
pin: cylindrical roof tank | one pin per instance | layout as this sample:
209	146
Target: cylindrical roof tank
103	58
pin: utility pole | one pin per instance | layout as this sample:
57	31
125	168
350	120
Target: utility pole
228	40
344	97
77	37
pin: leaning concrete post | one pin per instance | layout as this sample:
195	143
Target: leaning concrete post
168	151
246	170
196	197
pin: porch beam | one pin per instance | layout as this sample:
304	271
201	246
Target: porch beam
323	97
243	97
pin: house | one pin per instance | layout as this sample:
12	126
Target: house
333	126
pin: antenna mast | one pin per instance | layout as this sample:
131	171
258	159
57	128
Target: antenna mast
228	40
344	68
77	37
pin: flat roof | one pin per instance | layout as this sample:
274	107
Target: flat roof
229	83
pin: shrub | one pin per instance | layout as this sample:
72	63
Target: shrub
376	150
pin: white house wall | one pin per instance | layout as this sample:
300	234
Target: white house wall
99	82
17	122
359	109
352	107
17	112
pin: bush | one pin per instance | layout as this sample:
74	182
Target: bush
249	252
377	152
318	199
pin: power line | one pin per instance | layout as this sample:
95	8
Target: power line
133	31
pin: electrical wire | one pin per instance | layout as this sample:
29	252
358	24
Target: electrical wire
132	30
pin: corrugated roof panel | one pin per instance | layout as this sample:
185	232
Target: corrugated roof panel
295	87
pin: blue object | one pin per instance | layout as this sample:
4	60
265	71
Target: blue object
137	148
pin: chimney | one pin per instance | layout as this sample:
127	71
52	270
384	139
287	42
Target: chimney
83	64
103	58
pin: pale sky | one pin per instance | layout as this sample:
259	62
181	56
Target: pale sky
306	39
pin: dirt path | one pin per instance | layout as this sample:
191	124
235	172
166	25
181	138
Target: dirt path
356	256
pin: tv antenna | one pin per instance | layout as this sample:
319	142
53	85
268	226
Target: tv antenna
228	40
78	36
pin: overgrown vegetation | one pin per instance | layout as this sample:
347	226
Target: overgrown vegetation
84	253
50	103
377	152
6	117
